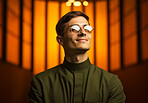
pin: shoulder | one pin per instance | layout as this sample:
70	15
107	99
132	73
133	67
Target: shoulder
110	83
47	73
106	78
101	72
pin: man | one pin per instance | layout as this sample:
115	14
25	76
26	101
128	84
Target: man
76	80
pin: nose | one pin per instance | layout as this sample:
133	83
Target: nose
82	32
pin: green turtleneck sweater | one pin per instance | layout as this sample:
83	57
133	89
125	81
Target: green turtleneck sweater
76	83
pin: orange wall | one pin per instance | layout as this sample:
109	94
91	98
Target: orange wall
13	30
53	46
129	32
134	76
78	8
101	35
55	53
39	37
144	29
115	53
27	34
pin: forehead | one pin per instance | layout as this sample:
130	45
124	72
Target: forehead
80	20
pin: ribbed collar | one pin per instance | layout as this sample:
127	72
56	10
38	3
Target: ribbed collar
76	66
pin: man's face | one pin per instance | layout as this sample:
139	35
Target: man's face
77	41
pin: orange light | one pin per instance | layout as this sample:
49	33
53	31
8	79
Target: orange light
85	3
71	1
77	3
68	3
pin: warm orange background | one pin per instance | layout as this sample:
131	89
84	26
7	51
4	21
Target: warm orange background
15	78
100	45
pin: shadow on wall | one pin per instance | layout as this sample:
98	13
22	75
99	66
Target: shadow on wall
14	83
134	80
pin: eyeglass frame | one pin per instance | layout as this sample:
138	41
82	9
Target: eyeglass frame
79	30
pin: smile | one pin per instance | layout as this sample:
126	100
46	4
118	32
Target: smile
81	40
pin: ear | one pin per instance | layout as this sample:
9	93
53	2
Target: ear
59	39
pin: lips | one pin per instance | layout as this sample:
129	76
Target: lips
81	39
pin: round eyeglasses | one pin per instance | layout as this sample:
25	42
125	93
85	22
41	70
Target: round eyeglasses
76	29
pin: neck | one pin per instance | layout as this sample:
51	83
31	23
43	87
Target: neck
76	58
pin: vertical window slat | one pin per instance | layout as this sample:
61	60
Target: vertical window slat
39	36
53	46
13	31
101	35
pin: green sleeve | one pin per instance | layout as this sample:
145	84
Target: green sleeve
35	94
116	93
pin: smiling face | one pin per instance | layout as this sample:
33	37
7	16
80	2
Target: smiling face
73	41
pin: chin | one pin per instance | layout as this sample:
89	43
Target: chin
83	49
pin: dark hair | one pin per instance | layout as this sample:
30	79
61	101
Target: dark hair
66	18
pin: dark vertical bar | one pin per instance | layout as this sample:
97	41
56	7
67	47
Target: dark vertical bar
32	37
59	44
72	6
138	31
4	29
21	33
121	32
108	27
83	8
46	11
94	10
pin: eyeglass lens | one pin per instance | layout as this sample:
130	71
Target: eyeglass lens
77	29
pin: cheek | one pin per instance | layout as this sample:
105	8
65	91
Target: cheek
68	39
89	36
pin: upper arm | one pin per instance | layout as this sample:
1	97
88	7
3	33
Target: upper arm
35	93
116	93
